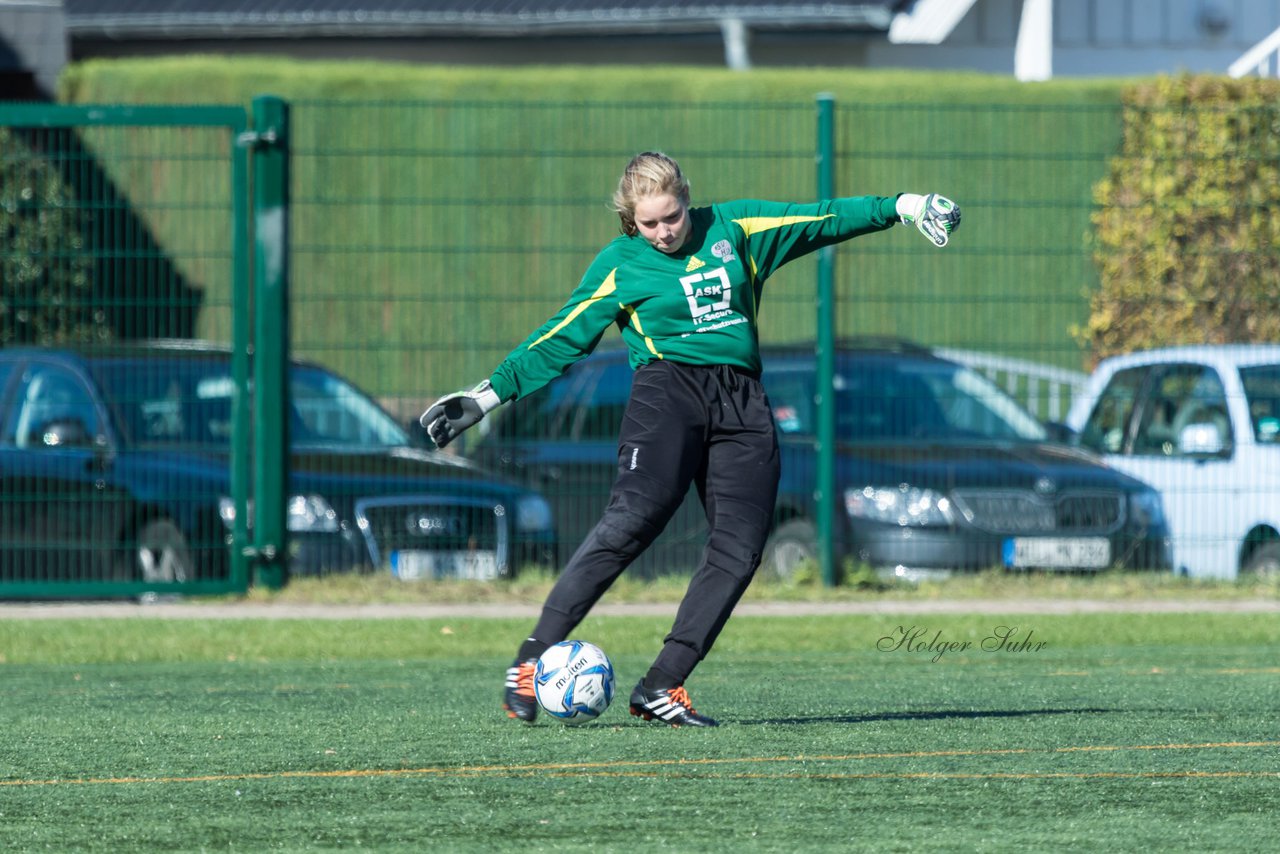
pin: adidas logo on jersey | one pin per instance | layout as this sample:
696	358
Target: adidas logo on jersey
694	264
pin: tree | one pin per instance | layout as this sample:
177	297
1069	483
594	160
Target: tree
46	293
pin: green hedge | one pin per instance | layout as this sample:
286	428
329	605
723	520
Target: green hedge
229	80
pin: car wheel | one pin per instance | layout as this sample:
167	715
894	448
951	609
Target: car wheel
1264	562
792	545
162	554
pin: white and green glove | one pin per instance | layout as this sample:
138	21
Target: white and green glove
936	216
453	413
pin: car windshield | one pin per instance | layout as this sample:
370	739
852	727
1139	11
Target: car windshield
188	402
1262	391
902	400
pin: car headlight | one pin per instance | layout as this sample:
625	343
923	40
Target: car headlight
227	511
904	505
1147	507
311	514
533	513
304	514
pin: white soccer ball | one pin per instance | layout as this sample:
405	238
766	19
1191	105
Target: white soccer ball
574	681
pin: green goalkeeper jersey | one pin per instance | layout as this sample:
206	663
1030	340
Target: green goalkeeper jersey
699	305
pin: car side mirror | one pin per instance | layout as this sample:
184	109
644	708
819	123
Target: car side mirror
1061	433
65	433
1202	438
418	437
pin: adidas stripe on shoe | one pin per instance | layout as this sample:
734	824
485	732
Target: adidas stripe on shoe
669	705
517	696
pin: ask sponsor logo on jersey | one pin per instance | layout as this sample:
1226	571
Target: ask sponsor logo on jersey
709	293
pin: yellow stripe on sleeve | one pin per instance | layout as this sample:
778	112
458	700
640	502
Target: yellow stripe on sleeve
606	287
756	224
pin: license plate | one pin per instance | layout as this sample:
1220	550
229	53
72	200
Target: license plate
411	565
1057	552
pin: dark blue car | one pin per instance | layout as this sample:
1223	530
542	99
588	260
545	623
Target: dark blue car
937	469
114	465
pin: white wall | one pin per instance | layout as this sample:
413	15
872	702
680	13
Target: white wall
1091	38
32	39
1099	37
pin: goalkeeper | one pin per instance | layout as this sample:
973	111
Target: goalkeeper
684	286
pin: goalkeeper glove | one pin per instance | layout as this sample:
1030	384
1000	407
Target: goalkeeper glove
934	215
453	413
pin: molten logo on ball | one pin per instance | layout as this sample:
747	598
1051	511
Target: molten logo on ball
574	681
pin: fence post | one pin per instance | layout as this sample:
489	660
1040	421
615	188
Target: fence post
241	349
826	359
270	337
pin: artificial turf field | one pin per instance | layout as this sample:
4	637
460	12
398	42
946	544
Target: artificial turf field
1122	732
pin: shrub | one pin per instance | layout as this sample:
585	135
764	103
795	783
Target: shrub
1186	220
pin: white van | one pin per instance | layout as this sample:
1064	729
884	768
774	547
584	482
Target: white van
1201	424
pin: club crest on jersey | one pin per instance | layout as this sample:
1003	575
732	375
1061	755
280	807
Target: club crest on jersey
694	264
723	250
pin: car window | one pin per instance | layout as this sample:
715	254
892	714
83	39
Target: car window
1182	397
49	395
1262	392
531	417
883	403
329	411
188	402
909	399
546	413
974	406
160	401
1108	423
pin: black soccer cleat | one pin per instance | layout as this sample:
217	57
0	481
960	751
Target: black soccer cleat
518	697
670	705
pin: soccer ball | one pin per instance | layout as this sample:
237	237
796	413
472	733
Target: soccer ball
574	681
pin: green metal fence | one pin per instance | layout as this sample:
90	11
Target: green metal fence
121	224
430	237
426	239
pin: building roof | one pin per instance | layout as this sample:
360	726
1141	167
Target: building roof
178	19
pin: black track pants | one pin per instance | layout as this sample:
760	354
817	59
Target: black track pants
708	425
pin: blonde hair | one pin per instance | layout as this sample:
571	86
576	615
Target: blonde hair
650	173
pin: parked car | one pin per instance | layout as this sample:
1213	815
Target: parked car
937	470
1202	425
115	464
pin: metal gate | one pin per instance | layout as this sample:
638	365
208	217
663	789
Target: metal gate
126	440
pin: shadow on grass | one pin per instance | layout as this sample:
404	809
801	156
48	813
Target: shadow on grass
916	716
